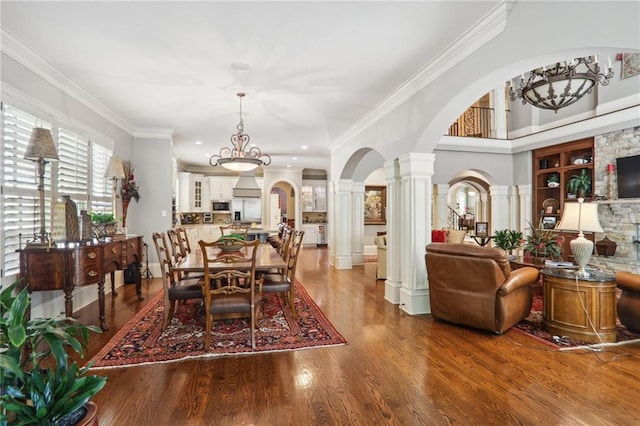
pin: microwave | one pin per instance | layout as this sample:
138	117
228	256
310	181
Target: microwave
220	206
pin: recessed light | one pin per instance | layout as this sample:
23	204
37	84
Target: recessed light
294	158
207	155
304	147
288	165
198	142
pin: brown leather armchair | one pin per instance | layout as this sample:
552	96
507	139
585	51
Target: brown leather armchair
629	301
475	286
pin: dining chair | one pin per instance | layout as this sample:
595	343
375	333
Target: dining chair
230	285
175	289
284	283
242	230
180	247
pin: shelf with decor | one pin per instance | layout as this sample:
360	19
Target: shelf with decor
554	167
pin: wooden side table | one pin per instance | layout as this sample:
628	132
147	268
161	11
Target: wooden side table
580	307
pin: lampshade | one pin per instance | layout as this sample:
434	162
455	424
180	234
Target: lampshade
114	168
41	145
580	217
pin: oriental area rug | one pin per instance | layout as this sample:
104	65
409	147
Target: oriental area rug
532	326
140	341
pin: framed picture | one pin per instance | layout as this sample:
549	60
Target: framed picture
549	210
549	222
482	229
375	205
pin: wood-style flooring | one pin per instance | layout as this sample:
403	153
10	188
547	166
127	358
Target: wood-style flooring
396	370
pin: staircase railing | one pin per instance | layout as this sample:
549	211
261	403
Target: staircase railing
457	221
475	122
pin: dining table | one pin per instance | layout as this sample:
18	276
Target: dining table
267	258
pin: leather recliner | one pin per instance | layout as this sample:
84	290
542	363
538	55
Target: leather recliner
475	286
629	302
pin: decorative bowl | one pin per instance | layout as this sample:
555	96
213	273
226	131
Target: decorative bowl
553	184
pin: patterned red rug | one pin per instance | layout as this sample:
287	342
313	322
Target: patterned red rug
140	340
532	326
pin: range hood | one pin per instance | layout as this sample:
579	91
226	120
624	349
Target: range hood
247	186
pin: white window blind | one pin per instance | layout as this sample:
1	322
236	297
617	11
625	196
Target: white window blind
73	167
101	186
20	212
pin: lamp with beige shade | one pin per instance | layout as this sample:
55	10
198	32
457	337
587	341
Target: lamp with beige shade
581	217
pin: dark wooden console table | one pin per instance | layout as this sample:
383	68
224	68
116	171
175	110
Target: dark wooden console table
64	268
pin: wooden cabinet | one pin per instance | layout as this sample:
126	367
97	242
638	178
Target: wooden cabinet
558	164
314	196
64	268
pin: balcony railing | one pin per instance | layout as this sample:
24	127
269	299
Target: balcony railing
475	122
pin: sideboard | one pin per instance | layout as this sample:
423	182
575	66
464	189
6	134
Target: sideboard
79	264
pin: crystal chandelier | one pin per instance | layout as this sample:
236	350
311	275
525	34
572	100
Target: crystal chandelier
239	158
560	85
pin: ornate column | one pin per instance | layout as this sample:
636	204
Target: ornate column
499	207
342	224
524	195
441	207
393	282
357	243
415	229
514	208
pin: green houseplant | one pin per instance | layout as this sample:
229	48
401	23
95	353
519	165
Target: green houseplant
580	184
508	239
39	383
543	243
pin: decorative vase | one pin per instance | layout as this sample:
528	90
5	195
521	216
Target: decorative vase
125	206
65	220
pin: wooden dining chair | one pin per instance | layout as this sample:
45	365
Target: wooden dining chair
175	289
284	283
180	247
242	230
175	244
230	285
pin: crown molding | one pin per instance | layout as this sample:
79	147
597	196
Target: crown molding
22	53
154	133
489	26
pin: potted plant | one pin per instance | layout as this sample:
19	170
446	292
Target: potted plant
543	243
39	384
553	180
103	224
508	239
580	184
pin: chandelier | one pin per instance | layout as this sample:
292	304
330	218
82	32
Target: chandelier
560	85
239	158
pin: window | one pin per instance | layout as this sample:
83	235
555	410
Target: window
19	216
78	173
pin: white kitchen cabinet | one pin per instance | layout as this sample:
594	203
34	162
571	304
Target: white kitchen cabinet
193	193
314	196
221	188
310	235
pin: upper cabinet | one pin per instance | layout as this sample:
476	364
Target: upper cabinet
314	196
553	169
193	193
221	188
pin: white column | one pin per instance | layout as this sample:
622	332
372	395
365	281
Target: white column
499	207
393	284
357	243
331	220
514	207
524	193
498	103
482	207
342	224
441	208
415	227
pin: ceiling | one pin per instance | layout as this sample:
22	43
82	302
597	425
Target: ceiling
311	70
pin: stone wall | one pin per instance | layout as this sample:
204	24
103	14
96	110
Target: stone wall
619	217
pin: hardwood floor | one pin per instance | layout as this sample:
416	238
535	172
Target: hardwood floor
397	369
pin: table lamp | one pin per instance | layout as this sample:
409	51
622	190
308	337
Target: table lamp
39	149
581	217
114	171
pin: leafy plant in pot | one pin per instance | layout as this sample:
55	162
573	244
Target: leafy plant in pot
580	184
508	239
39	383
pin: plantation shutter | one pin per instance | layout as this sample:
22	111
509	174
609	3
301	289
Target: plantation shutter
20	211
101	186
73	167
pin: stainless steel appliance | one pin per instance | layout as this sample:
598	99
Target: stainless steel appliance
250	209
220	206
207	217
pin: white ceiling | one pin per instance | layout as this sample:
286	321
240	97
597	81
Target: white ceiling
314	68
